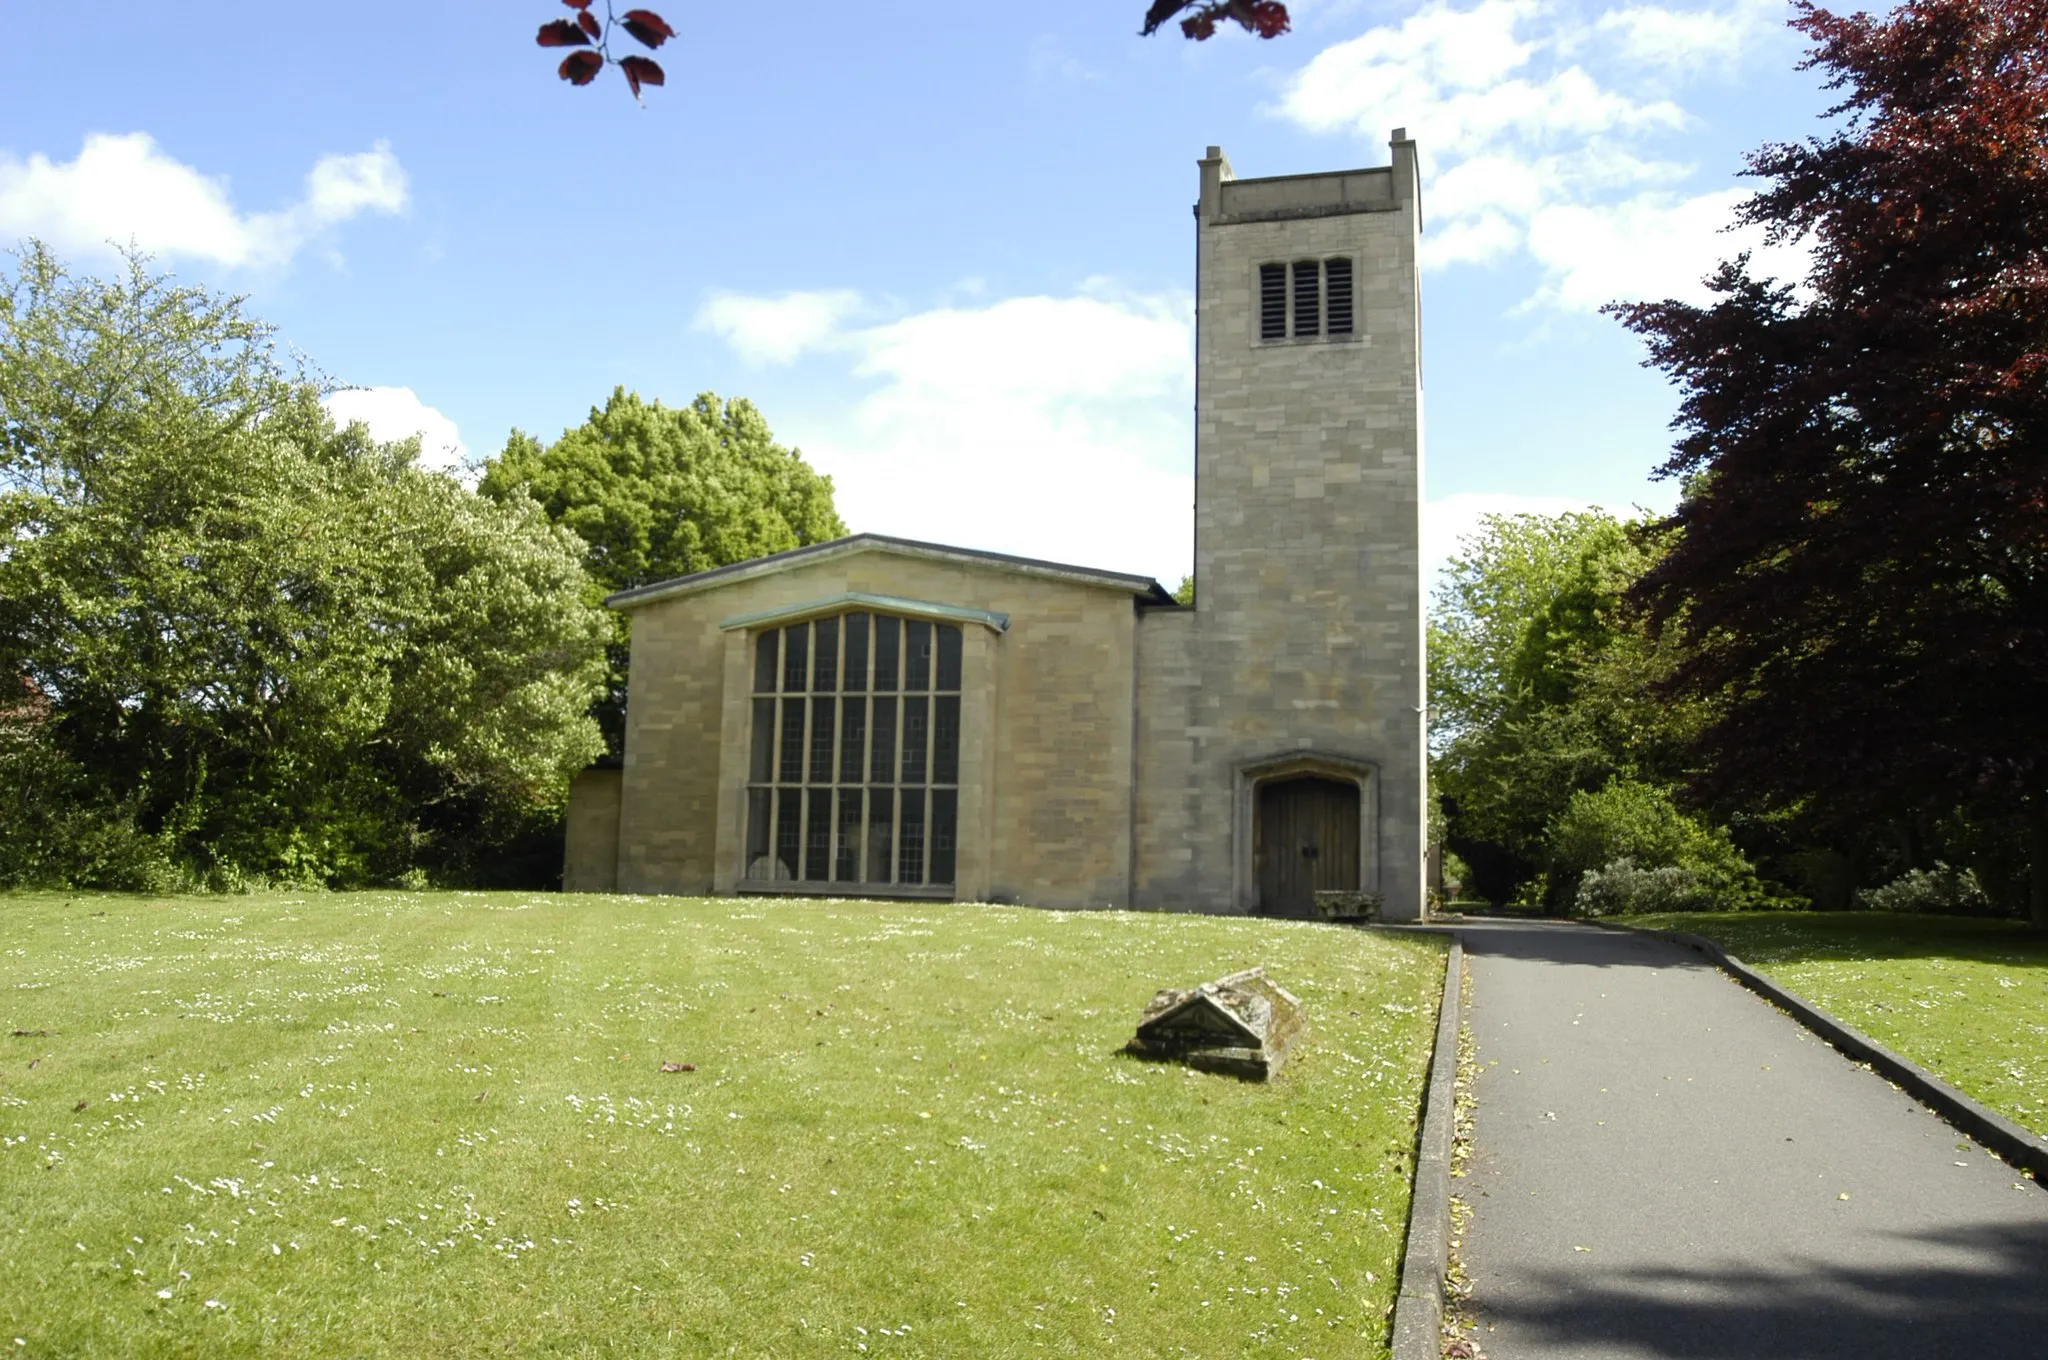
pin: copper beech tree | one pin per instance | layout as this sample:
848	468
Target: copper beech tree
592	38
1859	563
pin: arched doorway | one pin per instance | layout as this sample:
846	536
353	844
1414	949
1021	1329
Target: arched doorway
1305	838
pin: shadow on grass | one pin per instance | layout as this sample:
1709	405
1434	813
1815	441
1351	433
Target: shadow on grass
1985	1298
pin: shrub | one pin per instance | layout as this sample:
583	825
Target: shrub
1940	890
1627	821
1622	888
59	828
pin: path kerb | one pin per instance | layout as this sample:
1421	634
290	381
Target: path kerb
1419	1304
1991	1129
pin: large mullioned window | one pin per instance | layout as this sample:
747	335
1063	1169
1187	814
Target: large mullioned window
855	770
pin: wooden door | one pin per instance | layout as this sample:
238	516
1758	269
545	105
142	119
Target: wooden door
1306	838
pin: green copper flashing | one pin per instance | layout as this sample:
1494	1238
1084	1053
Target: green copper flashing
887	604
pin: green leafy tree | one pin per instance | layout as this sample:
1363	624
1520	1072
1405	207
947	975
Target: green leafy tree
657	491
262	647
1536	683
1508	604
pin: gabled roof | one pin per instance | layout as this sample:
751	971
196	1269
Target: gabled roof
1146	590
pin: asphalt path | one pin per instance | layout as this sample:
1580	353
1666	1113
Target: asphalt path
1666	1165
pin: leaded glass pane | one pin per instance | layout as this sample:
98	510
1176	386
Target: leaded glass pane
949	657
917	655
888	646
916	715
764	662
790	768
855	677
945	739
825	671
789	831
821	740
846	854
910	844
761	769
882	761
881	803
796	656
945	827
853	739
818	836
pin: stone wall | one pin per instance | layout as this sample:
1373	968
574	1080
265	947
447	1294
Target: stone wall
590	857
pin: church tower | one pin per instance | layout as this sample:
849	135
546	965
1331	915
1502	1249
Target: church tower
1283	751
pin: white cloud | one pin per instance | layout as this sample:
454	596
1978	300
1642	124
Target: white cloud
394	413
1682	40
776	330
1051	427
1529	154
124	188
1649	247
1476	240
1454	74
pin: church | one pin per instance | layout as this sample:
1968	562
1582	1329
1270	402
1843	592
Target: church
881	717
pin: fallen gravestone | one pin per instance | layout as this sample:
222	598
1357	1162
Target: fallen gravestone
1242	1025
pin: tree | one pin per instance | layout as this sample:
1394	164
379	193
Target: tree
1536	690
260	647
591	39
1859	564
655	491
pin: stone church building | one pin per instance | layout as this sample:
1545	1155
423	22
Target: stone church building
874	716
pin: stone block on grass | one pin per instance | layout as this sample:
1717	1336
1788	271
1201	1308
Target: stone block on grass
1242	1025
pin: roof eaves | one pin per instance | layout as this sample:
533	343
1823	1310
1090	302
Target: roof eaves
1147	589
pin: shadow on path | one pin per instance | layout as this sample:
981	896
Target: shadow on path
1569	942
1990	1300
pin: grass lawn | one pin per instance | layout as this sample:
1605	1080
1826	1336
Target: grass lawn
1966	999
438	1124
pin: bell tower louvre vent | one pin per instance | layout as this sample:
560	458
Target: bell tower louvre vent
1337	284
1307	299
1272	302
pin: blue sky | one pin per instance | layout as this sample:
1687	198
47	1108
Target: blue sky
951	258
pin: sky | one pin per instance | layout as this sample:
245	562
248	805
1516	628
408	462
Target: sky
947	250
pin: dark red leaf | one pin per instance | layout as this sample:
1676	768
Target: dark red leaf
561	33
587	21
1268	18
640	71
1161	11
649	27
580	68
577	4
